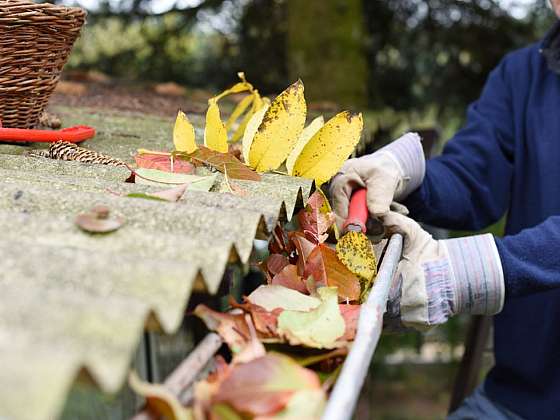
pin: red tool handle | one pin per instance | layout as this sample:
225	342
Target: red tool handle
357	211
74	134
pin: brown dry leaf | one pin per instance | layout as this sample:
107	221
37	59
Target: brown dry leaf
265	322
265	385
232	187
220	161
314	222
231	327
289	278
326	269
99	220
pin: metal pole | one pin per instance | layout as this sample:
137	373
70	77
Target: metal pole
347	389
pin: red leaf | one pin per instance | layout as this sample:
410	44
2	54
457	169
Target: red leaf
289	278
163	163
263	387
313	221
351	315
279	242
327	269
275	263
304	247
222	162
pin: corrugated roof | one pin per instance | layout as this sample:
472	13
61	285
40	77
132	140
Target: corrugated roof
73	303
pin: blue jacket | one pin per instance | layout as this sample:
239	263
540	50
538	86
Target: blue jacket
507	159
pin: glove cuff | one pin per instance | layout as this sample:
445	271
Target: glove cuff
408	154
476	278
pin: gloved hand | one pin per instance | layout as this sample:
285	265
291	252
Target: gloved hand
389	174
438	279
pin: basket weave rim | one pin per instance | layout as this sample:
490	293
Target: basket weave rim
45	8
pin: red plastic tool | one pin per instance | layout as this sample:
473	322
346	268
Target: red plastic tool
357	212
74	134
359	220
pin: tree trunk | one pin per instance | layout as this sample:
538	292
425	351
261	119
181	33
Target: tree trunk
325	50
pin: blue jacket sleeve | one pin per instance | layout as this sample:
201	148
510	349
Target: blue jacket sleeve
468	186
530	258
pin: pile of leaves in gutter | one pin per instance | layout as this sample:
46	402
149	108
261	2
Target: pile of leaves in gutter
259	136
289	337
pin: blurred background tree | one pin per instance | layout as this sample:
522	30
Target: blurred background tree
400	54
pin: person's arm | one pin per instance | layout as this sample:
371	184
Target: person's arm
468	186
475	274
530	259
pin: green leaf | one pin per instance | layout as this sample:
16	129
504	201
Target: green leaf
318	328
304	404
275	296
158	178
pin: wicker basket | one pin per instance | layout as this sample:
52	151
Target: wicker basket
35	42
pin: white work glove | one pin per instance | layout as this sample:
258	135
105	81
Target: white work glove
438	279
389	174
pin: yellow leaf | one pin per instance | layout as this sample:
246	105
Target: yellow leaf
327	209
250	131
279	130
239	110
215	135
159	399
356	253
306	135
183	134
258	103
325	153
239	87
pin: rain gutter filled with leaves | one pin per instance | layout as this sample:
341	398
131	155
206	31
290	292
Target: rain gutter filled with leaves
313	327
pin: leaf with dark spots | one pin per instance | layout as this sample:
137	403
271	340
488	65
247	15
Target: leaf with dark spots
328	270
222	162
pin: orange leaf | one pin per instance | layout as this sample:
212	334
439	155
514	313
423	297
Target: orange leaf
327	269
